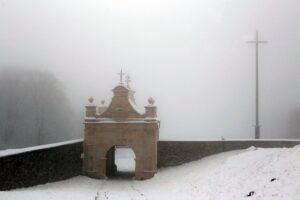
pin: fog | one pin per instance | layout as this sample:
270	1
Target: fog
191	56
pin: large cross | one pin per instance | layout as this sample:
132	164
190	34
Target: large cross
121	76
257	125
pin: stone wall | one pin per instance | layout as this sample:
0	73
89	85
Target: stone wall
40	166
62	162
172	153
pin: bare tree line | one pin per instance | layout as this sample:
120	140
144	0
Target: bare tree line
34	108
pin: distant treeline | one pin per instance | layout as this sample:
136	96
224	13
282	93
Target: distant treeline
34	108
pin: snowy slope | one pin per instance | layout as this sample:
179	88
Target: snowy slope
263	173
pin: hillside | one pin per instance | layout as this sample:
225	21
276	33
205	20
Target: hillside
255	173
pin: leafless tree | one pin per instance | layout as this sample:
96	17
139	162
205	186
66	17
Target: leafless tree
34	108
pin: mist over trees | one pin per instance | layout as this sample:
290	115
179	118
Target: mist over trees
34	108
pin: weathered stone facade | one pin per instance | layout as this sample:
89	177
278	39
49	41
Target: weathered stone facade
120	124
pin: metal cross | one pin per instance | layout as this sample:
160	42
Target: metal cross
127	80
257	125
121	76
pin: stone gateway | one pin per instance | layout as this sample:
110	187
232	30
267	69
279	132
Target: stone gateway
120	124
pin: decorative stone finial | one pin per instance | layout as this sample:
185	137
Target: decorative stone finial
151	101
90	109
91	100
102	102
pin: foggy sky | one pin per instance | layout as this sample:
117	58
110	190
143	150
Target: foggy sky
191	56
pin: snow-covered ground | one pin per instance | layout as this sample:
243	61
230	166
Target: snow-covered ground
262	173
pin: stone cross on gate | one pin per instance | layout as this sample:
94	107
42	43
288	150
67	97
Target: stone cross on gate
127	80
121	76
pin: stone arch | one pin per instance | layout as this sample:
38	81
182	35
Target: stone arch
134	148
110	159
121	123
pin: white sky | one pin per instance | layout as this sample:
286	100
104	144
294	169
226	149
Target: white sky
190	55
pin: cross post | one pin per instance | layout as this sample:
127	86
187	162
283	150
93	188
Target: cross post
257	125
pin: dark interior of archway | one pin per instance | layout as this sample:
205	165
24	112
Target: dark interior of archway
120	163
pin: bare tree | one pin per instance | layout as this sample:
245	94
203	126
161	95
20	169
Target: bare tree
34	108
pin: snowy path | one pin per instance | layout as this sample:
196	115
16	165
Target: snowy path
143	190
119	190
266	174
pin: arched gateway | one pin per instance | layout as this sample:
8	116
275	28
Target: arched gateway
120	124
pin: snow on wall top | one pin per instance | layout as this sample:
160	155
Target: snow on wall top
9	152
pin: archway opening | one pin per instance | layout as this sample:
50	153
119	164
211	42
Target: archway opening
120	163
